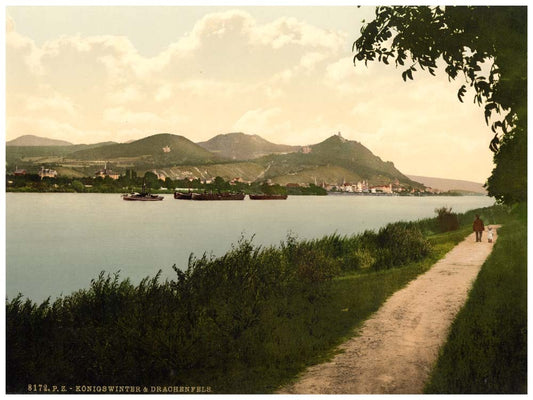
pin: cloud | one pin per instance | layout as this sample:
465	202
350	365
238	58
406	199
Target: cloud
22	50
285	79
121	115
123	118
258	120
211	88
126	95
234	43
285	31
215	43
117	54
310	60
339	71
10	24
290	31
349	79
55	102
163	93
223	24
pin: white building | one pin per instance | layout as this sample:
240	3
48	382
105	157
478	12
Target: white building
47	173
381	189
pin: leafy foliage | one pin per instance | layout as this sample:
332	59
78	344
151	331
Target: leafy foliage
129	181
400	243
508	181
446	219
487	46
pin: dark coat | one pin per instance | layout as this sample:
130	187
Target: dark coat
478	225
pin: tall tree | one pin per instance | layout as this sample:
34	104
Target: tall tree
488	47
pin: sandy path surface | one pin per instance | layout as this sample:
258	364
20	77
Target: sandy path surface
394	351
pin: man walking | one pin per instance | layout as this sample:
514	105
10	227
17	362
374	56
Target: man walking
478	228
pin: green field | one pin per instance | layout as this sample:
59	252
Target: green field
486	350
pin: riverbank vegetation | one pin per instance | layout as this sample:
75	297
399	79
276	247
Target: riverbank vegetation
486	351
246	322
130	182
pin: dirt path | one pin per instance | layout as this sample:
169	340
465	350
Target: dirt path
396	348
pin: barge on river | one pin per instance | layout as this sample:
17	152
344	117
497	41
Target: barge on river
218	196
268	197
143	196
183	196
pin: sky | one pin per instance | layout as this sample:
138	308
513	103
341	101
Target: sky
120	73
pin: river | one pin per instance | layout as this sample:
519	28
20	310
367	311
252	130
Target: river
57	242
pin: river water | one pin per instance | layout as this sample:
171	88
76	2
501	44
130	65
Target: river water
57	242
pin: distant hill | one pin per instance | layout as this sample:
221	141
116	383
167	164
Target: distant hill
335	160
27	155
250	157
446	185
240	146
32	140
160	149
354	156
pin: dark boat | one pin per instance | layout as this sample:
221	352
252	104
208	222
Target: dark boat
143	196
218	196
183	196
268	197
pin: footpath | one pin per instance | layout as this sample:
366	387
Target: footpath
395	350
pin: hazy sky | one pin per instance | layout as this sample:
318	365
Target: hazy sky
91	74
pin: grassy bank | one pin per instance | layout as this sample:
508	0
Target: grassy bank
486	350
246	322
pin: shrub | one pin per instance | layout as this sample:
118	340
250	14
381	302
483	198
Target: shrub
398	244
315	267
78	186
446	219
358	259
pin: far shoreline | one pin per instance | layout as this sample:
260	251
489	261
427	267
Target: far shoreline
334	194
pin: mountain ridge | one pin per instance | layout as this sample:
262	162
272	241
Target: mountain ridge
33	140
334	160
325	161
241	146
446	184
158	148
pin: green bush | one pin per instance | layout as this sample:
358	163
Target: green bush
315	267
78	186
446	219
358	259
398	244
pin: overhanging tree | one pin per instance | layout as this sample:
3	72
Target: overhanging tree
488	47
